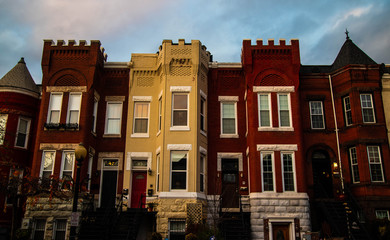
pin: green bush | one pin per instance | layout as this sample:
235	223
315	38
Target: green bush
191	236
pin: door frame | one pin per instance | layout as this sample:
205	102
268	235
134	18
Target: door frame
289	221
131	186
137	156
108	168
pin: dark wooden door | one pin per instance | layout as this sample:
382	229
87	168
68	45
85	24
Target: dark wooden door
108	194
138	190
280	231
230	195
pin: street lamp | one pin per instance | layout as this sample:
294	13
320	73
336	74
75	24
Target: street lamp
80	153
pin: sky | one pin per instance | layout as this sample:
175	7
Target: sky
139	26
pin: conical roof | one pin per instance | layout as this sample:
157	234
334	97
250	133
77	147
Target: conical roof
19	77
351	54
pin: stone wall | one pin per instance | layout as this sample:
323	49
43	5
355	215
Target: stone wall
50	209
282	208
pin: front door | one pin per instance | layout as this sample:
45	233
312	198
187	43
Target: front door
230	195
108	194
280	231
322	175
138	190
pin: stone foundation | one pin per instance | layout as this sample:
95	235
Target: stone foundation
172	208
278	207
50	209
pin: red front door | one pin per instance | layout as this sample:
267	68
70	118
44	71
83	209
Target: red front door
138	190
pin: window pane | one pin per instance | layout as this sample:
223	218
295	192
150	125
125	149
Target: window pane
288	172
141	125
179	180
48	161
21	140
283	102
54	116
228	110
55	101
284	118
268	182
180	118
180	101
69	160
73	116
114	110
141	110
179	161
229	126
74	101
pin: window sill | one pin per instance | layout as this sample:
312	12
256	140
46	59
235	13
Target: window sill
107	135
203	133
228	136
140	135
180	128
158	133
275	129
21	148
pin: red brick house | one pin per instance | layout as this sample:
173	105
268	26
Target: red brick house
19	104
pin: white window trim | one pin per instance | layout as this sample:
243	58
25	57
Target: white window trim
50	107
322	115
380	163
94	113
158	183
159	122
63	162
202	171
229	135
282	220
120	119
180	128
171	171
346	111
204	114
79	107
353	164
141	135
43	162
273	170
294	169
235	155
138	155
5	116
269	110
289	110
372	108
28	120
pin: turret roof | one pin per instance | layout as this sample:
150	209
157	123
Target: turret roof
19	77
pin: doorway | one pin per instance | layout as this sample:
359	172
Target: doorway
108	189
230	195
138	190
280	231
322	175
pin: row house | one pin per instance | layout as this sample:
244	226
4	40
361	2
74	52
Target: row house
262	149
19	103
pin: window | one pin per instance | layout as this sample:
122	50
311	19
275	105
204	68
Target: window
316	115
74	108
55	104
22	132
374	159
159	114
201	173
347	111
94	115
141	117
284	110
203	114
113	118
14	184
354	165
158	173
178	170
367	108
59	229
67	165
3	125
90	163
179	109
264	110
382	214
177	229
228	113
39	229
48	158
267	171
288	172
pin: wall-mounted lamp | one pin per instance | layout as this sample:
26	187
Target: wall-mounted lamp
335	165
125	191
150	192
150	171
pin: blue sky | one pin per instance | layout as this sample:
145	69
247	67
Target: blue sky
139	26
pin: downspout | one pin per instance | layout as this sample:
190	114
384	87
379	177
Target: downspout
337	135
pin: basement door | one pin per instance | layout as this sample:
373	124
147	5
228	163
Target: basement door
230	195
138	190
280	231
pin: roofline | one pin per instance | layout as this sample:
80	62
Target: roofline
19	90
225	65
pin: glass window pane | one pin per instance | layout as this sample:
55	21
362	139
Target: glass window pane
228	110
283	102
180	101
69	160
114	110
179	180
55	101
180	118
